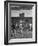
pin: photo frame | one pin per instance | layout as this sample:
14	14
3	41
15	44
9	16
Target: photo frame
20	22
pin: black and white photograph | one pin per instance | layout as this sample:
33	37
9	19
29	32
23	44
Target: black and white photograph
20	22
